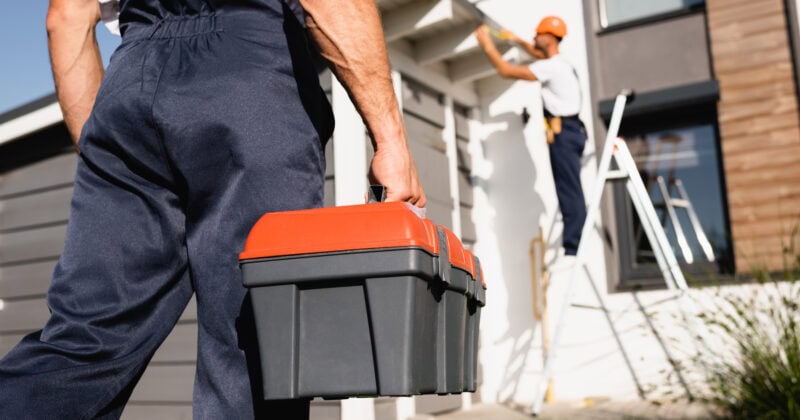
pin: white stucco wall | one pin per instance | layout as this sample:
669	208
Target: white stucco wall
515	196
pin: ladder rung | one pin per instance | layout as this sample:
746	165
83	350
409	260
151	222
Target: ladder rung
679	202
616	174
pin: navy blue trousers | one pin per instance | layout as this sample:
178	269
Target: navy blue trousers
565	160
201	125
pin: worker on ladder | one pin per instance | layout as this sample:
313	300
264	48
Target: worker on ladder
561	95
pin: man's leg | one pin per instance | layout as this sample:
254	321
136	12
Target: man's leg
239	125
565	160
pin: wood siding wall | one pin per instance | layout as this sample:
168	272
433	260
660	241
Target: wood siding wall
758	121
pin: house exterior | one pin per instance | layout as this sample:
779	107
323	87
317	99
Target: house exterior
716	106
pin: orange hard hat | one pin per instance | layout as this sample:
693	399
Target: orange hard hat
553	25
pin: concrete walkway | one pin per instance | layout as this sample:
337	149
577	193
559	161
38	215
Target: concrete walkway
609	410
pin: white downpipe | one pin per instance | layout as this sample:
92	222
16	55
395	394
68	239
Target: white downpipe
349	149
449	134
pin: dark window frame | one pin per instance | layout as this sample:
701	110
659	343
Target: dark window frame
675	108
793	25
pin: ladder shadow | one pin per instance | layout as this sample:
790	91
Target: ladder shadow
617	338
671	359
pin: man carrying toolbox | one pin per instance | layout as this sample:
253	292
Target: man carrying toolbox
209	115
561	95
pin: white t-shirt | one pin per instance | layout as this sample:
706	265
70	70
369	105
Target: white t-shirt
561	90
109	13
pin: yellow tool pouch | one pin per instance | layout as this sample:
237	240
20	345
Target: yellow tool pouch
552	127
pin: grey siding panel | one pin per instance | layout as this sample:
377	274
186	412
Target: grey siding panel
464	158
320	410
329	163
465	188
435	404
440	213
139	411
326	410
423	132
462	126
325	80
423	102
330	193
432	170
19	316
7	342
26	315
26	279
468	233
386	409
59	170
668	53
32	244
36	209
180	346
165	383
190	313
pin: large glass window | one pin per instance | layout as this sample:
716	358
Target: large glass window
668	159
614	12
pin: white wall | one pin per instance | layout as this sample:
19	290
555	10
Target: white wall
515	196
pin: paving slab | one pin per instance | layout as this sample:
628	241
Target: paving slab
607	410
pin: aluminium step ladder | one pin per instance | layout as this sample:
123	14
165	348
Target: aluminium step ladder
616	149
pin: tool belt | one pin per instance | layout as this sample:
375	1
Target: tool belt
553	125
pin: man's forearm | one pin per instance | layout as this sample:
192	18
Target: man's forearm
350	37
75	59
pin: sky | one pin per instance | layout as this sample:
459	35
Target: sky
24	62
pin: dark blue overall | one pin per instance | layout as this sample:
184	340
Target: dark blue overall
565	160
209	115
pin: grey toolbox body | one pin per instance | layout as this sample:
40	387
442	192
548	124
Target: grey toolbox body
360	301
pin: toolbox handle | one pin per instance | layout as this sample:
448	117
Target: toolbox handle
376	194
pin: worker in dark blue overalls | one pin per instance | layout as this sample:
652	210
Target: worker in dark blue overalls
209	115
561	96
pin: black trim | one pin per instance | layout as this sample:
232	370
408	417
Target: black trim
792	24
633	275
665	99
684	11
29	107
35	146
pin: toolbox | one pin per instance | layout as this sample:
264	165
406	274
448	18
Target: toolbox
361	300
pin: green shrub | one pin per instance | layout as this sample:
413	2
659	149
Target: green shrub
757	373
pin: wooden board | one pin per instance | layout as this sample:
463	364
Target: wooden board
26	279
32	244
45	207
165	384
759	124
26	315
149	411
59	170
423	102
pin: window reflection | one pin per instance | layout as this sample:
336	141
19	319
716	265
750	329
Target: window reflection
688	156
614	12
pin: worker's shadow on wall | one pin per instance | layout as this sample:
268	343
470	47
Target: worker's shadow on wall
516	208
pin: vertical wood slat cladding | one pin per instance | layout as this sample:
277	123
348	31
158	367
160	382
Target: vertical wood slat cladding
753	64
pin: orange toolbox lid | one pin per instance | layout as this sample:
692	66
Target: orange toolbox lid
337	229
